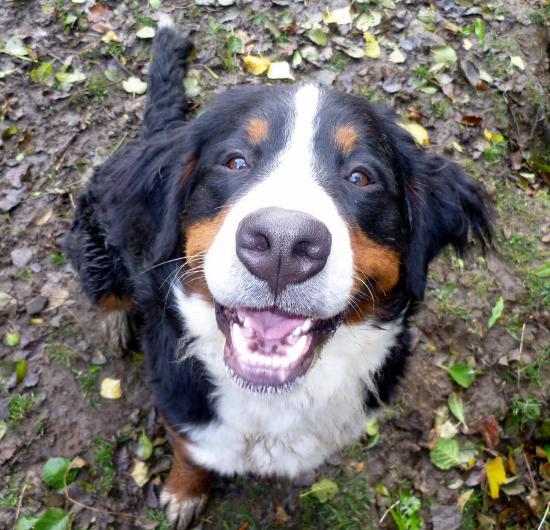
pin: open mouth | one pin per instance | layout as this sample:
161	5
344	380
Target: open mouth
269	348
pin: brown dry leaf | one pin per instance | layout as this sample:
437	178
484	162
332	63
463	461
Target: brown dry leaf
463	499
488	427
140	473
44	217
281	517
56	295
99	18
471	120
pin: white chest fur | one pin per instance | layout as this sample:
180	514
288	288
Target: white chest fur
289	433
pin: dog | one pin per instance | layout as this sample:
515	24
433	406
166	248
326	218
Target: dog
268	256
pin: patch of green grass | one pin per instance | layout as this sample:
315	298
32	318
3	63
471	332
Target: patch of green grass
445	296
533	371
19	406
104	453
116	49
349	510
57	259
339	60
370	92
10	498
405	511
541	17
526	408
96	87
87	379
440	110
495	153
160	517
472	508
61	353
142	20
520	249
422	72
24	274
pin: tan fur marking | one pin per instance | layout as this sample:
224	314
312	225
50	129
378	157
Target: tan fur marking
109	302
198	239
346	137
185	480
377	266
257	130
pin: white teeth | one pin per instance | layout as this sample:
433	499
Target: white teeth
239	342
296	351
297	332
306	326
246	323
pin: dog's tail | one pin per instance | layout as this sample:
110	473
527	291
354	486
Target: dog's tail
166	103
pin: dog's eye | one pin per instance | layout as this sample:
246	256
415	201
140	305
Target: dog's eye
358	178
236	163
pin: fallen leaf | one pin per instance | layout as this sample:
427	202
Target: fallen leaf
51	519
145	447
43	73
255	65
110	388
14	46
517	61
462	374
368	20
372	48
110	36
456	406
445	454
496	475
496	312
146	32
12	339
99	16
324	490
318	36
70	78
279	70
44	217
338	16
479	29
494	138
140	473
444	56
397	56
463	499
418	132
488	427
56	472
471	120
134	85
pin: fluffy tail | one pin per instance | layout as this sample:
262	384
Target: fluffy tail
166	104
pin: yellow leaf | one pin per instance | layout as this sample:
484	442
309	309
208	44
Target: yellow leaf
256	65
372	48
463	499
140	473
457	147
496	475
517	61
493	137
338	16
110	36
110	388
418	132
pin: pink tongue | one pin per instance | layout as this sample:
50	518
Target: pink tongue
270	325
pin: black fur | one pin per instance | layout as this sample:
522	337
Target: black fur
128	223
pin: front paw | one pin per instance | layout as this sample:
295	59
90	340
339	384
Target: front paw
182	512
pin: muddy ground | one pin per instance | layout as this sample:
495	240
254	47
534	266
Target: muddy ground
487	108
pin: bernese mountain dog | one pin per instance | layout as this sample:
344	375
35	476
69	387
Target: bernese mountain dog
268	255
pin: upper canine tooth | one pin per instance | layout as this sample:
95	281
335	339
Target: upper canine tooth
306	326
246	323
296	332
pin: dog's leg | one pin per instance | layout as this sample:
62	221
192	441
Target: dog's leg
186	489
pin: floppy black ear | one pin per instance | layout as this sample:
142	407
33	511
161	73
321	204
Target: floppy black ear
445	207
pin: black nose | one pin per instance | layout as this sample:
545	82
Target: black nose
282	246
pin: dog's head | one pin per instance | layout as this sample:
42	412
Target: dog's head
301	210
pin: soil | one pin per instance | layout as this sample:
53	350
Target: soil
53	135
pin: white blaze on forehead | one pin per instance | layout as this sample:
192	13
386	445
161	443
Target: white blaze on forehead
290	183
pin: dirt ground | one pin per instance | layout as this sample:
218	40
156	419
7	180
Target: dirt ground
64	109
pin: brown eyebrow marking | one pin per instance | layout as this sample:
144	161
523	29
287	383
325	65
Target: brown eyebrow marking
257	130
346	137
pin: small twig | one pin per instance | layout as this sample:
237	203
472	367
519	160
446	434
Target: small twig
20	502
520	351
85	506
389	510
117	146
529	471
544	516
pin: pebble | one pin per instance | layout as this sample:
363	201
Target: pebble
36	305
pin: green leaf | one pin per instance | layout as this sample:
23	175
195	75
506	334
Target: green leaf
445	56
445	454
145	447
372	427
42	73
456	406
543	271
234	45
21	367
12	339
69	78
547	451
318	36
154	4
146	32
479	30
26	523
14	46
463	374
54	472
496	312
54	519
324	490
